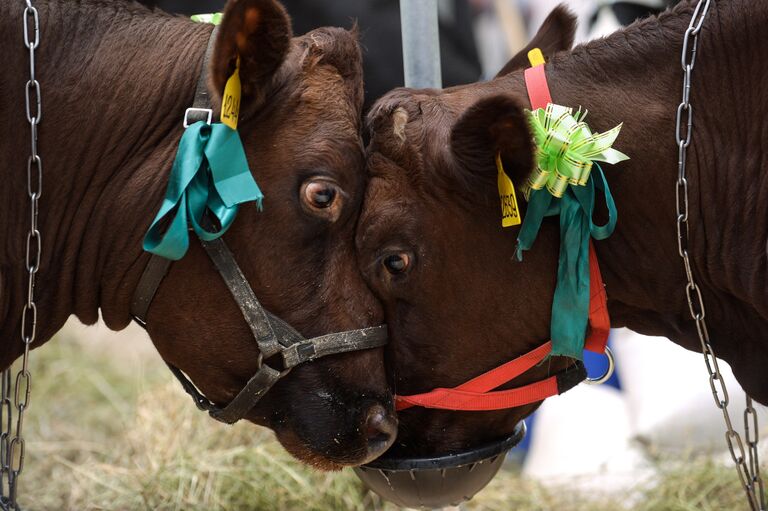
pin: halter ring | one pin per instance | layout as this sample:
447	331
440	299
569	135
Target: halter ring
608	372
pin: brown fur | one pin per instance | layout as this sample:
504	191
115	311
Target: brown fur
116	79
466	306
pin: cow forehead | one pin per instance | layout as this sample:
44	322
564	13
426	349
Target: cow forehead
313	116
433	111
324	96
330	65
409	133
390	207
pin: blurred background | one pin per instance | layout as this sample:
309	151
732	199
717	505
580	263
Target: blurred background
477	37
110	428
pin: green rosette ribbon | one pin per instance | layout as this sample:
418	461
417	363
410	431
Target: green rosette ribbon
210	174
563	184
566	149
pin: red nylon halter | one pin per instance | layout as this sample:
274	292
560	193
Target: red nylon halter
477	394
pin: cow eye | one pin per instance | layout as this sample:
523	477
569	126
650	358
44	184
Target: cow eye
321	197
397	263
320	194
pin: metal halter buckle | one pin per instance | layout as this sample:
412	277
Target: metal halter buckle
194	110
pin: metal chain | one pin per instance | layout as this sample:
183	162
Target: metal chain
750	428
12	444
749	471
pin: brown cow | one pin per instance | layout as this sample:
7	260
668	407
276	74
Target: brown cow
432	247
116	80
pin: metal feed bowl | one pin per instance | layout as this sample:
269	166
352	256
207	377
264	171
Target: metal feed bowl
439	481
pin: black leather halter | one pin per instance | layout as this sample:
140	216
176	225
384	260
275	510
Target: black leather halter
273	336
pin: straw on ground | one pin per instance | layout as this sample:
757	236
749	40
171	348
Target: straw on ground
109	429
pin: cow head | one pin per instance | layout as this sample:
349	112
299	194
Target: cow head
300	125
432	248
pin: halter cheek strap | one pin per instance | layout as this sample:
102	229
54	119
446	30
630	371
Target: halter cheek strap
477	394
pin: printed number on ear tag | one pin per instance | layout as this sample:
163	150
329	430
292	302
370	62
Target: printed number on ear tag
510	214
230	103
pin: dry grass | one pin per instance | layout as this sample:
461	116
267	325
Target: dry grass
112	431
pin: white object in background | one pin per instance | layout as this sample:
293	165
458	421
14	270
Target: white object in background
668	396
538	11
586	11
584	438
489	32
605	23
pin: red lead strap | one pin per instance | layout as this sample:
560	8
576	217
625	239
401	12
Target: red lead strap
477	394
599	320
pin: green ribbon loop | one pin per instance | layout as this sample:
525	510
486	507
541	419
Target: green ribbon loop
570	306
210	174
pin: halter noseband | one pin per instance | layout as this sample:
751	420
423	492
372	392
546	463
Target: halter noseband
273	336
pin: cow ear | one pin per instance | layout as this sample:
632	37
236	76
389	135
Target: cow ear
495	124
257	31
556	34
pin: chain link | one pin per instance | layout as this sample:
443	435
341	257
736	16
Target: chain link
12	445
750	428
746	461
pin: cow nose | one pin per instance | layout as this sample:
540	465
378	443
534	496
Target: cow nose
380	430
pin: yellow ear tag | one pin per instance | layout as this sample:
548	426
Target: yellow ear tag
510	214
535	57
230	102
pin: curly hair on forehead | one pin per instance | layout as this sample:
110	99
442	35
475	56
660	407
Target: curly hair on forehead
413	130
340	49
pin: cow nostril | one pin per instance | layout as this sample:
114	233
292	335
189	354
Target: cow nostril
380	430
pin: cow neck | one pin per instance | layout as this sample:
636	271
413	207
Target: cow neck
645	282
728	214
639	186
116	91
639	261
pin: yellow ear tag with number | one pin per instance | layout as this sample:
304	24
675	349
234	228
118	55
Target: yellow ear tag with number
230	102
510	214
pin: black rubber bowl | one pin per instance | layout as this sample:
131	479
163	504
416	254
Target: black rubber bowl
440	481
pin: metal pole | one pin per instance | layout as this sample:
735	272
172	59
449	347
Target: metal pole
421	45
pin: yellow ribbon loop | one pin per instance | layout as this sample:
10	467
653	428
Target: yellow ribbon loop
566	149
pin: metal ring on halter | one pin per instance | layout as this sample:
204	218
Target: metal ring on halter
608	372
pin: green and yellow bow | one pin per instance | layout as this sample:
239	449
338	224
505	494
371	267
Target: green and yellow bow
566	149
